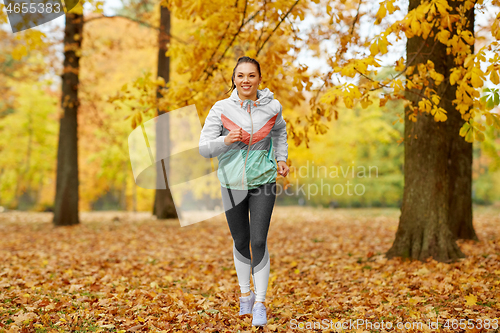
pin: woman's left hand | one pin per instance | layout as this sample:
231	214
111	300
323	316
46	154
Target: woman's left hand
283	168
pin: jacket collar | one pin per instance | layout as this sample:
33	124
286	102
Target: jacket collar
264	97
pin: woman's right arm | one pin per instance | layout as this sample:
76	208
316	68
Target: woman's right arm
211	141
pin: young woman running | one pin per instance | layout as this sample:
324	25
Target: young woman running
247	133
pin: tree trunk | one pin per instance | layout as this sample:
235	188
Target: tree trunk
431	183
460	217
164	204
66	201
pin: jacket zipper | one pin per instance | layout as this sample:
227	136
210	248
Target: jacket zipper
248	149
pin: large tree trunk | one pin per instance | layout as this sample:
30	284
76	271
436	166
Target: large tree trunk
66	201
437	167
164	204
460	217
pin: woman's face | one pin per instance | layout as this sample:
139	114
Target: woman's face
247	80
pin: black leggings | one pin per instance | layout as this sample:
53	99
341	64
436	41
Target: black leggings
245	231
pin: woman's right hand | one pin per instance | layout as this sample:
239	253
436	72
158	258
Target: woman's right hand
233	136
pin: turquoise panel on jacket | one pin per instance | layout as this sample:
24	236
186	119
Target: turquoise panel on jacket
261	169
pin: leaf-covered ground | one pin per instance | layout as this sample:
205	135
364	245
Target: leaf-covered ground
125	272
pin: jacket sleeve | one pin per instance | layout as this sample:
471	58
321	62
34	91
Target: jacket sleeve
279	136
211	141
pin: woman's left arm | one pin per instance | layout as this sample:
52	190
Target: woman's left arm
280	147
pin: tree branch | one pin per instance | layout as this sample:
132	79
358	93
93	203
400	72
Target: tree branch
263	21
355	18
277	26
243	23
133	20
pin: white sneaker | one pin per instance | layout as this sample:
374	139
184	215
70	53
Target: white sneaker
246	304
259	314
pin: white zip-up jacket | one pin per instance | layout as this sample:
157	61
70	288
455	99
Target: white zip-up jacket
256	158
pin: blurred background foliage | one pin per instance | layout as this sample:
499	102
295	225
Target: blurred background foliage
361	151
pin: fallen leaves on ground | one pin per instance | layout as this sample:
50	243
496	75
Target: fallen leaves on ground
128	272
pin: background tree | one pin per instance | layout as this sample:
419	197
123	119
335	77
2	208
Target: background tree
66	200
439	40
273	33
163	204
431	193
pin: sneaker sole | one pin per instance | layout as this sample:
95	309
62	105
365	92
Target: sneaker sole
259	324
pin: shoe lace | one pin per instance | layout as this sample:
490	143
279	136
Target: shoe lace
260	311
246	305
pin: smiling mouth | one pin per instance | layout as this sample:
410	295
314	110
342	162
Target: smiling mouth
246	87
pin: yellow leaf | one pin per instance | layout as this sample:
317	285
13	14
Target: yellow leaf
496	120
400	64
435	99
160	81
494	77
414	315
349	70
469	137
476	78
443	36
374	48
442	6
440	114
425	105
381	13
413	301
365	102
471	300
390	6
468	60
272	327
465	128
479	136
383	46
426	28
422	271
415	26
19	52
348	102
468	37
489	118
495	29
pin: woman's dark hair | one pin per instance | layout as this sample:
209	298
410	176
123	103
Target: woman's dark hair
242	60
